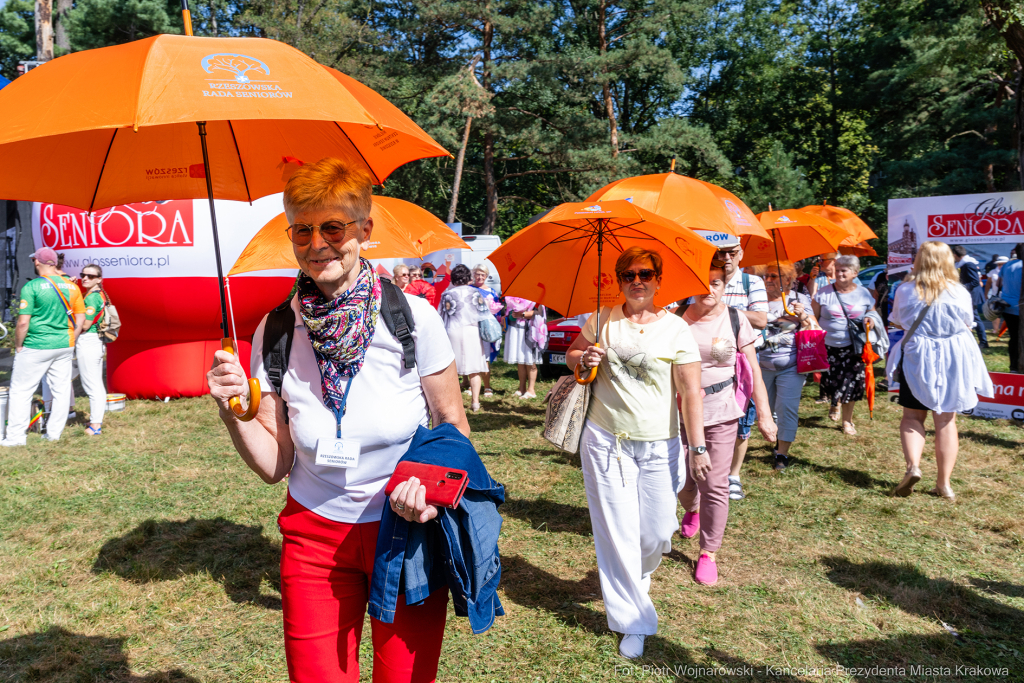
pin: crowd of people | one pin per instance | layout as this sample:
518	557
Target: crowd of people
676	394
57	336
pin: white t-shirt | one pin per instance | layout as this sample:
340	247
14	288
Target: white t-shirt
633	392
385	406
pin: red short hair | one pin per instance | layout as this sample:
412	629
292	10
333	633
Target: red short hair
329	183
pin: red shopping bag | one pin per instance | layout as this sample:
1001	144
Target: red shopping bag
811	355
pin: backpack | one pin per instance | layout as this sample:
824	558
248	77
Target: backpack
110	326
280	329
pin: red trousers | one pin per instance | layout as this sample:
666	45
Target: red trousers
325	586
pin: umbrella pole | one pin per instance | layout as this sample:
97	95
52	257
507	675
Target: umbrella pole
241	413
600	249
778	268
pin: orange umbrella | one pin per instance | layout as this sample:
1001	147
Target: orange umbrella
795	235
400	230
860	249
858	229
559	260
178	117
869	357
687	201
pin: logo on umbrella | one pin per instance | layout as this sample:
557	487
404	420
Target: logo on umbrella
595	208
603	280
784	219
731	207
237	65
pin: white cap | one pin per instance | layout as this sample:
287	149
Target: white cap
722	240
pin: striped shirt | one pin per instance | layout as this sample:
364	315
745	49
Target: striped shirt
737	297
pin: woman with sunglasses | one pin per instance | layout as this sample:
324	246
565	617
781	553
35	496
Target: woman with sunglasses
89	347
630	443
344	382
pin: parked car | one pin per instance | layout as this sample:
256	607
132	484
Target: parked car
867	276
561	334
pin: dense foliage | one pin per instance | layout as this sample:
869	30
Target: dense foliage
785	102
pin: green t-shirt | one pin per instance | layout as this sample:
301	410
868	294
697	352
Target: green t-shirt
50	326
93	304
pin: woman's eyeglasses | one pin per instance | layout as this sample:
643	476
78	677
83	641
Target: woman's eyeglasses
771	276
91	276
332	232
645	275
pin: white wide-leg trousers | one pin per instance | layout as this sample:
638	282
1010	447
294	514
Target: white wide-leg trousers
89	350
30	366
631	492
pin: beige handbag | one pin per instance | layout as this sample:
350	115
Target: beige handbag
567	413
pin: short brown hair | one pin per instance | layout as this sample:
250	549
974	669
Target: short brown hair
329	183
633	254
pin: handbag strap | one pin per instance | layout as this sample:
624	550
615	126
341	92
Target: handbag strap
913	328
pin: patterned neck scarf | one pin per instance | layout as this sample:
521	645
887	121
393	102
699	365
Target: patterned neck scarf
340	330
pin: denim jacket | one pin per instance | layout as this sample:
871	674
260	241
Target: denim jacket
459	547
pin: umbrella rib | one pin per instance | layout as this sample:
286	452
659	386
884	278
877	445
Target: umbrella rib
102	169
369	168
241	166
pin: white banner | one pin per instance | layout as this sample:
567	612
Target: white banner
153	239
993	218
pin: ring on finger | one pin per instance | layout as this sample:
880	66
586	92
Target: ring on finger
400	507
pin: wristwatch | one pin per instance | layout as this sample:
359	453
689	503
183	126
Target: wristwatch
699	450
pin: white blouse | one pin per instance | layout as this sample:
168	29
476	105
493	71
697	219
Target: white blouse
942	363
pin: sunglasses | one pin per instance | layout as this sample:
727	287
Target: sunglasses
332	232
731	254
91	276
771	276
645	275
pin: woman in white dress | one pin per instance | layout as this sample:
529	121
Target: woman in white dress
462	307
520	351
937	363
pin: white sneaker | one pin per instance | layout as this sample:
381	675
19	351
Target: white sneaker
47	437
7	443
736	489
632	645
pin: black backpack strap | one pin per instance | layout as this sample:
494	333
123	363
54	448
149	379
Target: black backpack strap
681	309
277	345
734	318
399	321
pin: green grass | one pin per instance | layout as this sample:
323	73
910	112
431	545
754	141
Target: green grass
150	554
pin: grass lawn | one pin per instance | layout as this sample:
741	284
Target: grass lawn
151	554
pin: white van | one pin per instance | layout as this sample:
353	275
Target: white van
482	246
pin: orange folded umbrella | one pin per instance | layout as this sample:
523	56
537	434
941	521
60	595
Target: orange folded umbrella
859	230
795	235
400	230
560	260
869	357
689	202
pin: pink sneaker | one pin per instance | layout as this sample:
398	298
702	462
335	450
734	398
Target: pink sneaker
690	525
707	571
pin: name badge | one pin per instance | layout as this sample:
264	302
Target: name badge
337	453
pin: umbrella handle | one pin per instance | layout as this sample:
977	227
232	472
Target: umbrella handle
235	403
591	375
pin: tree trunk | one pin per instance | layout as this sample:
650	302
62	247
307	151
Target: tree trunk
491	185
44	30
60	30
606	89
459	160
1004	16
1018	124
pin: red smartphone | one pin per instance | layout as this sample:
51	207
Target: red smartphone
445	486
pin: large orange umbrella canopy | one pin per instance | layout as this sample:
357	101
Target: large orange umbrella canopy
795	235
117	125
687	201
555	260
859	230
400	230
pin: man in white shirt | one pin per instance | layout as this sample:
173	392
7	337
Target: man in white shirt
745	293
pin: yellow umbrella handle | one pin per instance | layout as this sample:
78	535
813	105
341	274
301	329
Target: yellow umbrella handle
591	375
235	404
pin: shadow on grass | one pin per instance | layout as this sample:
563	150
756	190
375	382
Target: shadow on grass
490	421
988	632
522	409
237	556
546	515
990	439
855	478
532	587
60	655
